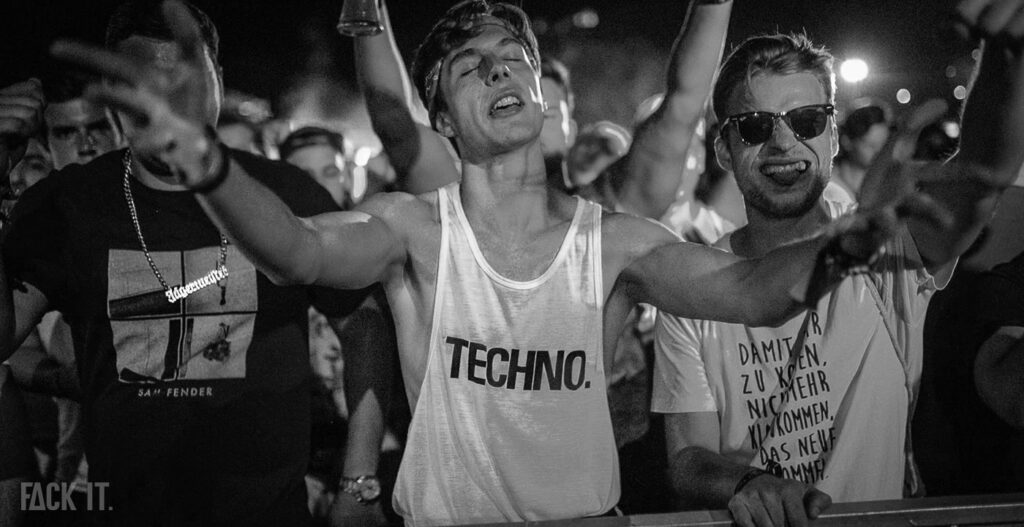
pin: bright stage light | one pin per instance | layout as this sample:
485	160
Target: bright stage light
853	70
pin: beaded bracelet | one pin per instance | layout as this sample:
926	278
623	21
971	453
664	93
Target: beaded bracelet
747	478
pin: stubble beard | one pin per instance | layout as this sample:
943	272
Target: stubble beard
771	208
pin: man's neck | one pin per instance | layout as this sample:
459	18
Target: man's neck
850	176
762	233
152	180
510	192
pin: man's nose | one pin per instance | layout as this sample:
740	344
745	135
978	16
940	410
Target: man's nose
782	137
494	69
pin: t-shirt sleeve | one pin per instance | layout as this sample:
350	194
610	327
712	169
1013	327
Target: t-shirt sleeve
34	240
680	378
999	297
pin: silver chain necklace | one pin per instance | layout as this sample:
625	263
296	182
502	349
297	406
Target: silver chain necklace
179	292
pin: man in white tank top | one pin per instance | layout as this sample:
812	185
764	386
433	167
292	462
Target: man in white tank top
507	295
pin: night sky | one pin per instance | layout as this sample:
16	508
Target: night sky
266	46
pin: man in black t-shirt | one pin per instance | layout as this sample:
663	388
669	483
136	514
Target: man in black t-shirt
193	364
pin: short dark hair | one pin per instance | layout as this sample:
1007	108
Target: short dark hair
860	121
552	68
145	18
453	30
779	54
308	136
63	85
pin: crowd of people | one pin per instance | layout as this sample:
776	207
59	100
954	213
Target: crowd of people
515	318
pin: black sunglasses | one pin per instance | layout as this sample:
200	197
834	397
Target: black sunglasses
757	127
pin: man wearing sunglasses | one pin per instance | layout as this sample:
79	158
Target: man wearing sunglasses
776	422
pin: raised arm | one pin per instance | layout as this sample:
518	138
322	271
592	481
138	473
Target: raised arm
423	159
647	178
992	145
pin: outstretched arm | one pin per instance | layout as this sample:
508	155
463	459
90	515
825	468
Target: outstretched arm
648	176
422	158
168	106
693	281
992	148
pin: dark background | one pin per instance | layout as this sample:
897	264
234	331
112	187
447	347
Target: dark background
274	49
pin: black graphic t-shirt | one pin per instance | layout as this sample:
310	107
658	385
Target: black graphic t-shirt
198	410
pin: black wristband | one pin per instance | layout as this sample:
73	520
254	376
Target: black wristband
222	172
747	478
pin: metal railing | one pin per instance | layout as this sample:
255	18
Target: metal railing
997	509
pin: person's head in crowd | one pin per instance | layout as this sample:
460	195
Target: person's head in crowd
559	131
476	41
597	146
76	130
775	100
239	125
863	134
32	168
321	153
138	29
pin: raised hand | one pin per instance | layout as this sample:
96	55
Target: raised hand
21	115
996	139
888	195
168	92
768	501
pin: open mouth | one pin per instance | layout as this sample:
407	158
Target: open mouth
785	173
506	105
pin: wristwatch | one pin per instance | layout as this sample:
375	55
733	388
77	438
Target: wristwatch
365	489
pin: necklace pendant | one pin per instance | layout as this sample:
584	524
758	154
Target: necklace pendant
179	292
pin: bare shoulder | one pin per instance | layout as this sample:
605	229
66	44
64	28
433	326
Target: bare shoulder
401	211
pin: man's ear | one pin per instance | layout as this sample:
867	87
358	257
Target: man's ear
443	125
573	132
722	153
837	139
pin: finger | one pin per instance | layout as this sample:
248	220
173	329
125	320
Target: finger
135	103
20	101
773	506
968	11
1014	29
792	504
28	88
816	501
923	207
994	18
96	59
906	136
28	114
740	514
185	29
760	514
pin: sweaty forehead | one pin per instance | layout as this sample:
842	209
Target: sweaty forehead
486	30
769	92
